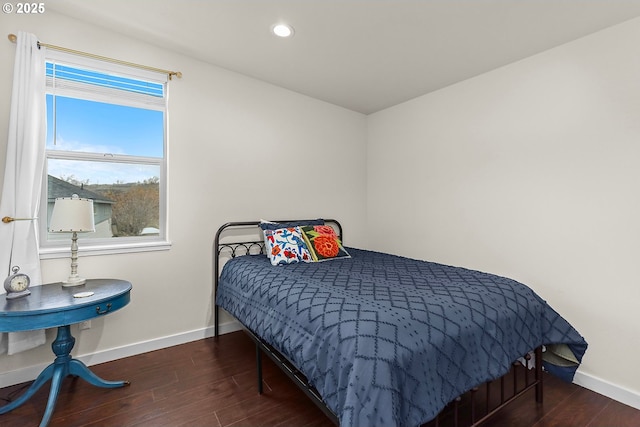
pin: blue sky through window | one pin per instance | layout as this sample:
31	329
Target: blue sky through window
92	173
90	126
98	127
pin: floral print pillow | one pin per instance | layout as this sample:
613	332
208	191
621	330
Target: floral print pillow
271	225
286	246
323	243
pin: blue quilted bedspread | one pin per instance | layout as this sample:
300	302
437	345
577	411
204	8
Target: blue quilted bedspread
387	340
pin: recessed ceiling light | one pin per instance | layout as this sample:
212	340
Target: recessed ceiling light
282	30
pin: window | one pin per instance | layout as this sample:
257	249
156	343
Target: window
106	141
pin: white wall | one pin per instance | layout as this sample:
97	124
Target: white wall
529	171
227	132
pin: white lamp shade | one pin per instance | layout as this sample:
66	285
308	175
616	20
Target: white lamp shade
72	214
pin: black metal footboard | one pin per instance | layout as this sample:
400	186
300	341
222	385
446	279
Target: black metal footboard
481	403
471	409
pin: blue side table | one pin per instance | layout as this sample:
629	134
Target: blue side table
51	306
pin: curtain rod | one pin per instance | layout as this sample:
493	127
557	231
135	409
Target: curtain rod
13	38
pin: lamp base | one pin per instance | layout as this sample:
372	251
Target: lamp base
73	281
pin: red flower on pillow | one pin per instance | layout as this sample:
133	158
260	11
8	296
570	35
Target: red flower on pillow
324	229
326	245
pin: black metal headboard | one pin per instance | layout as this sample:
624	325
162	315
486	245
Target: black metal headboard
244	246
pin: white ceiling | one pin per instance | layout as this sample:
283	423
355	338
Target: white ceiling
362	55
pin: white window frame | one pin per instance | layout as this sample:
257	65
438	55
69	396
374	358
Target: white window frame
100	246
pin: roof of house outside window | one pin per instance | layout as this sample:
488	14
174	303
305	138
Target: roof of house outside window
59	188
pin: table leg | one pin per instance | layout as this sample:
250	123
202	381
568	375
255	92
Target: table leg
61	367
44	376
56	382
78	368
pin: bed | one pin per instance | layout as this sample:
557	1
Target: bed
382	340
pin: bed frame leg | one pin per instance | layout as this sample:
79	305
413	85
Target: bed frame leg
215	321
259	366
539	396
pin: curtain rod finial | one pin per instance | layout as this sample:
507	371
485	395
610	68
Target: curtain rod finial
12	38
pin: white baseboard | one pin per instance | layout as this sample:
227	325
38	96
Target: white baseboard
613	391
31	372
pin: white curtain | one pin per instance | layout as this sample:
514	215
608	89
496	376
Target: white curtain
23	177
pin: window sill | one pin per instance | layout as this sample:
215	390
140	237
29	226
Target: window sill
111	249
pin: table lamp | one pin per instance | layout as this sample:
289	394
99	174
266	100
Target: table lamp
72	215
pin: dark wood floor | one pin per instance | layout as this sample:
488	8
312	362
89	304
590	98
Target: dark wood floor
213	383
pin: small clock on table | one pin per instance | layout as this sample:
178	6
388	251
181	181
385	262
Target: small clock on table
17	284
